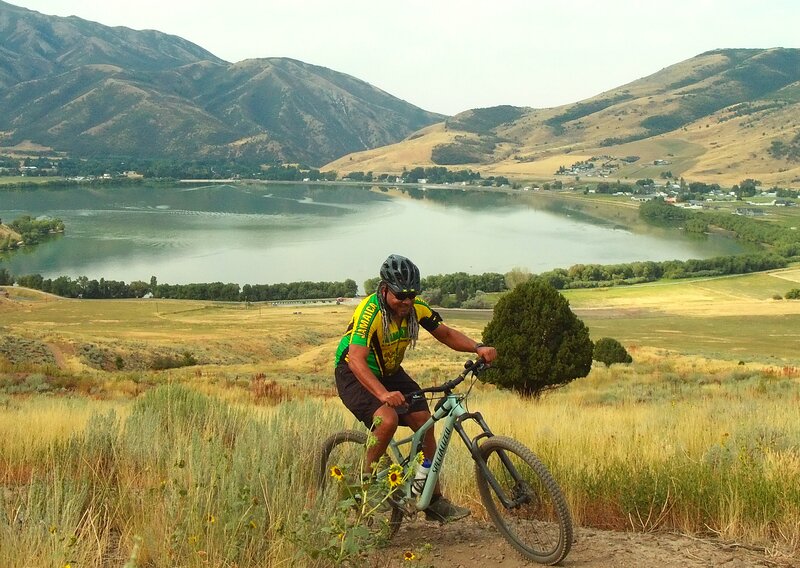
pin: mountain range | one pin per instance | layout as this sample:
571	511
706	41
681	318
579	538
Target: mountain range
720	117
78	87
73	87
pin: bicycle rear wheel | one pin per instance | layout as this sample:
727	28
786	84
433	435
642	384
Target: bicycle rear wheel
535	518
346	451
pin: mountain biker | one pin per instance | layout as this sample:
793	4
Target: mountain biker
369	377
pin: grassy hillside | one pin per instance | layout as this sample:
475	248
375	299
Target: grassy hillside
5	231
731	318
712	118
211	463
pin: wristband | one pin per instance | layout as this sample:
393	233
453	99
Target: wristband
478	346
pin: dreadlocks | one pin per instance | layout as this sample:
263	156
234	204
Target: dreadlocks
413	324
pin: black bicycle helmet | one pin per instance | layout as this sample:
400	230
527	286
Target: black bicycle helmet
400	274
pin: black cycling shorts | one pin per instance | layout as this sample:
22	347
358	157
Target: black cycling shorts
363	403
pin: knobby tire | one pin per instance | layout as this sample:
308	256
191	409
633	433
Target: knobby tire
347	450
540	525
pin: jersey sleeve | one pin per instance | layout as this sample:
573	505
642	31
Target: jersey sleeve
428	318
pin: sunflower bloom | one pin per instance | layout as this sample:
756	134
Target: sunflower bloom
408	556
395	475
336	472
395	479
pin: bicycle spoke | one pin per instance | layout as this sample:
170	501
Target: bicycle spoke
527	506
344	491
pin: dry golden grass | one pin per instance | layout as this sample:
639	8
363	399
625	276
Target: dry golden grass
670	442
5	231
411	152
713	297
793	275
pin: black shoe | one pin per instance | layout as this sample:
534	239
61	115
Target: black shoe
444	511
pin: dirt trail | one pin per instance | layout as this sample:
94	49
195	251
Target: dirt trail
474	544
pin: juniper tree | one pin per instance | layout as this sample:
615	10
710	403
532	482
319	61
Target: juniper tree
541	343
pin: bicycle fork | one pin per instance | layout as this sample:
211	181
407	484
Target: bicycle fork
474	449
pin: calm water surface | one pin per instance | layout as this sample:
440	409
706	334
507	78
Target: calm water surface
284	233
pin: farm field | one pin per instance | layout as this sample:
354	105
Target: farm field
105	459
731	317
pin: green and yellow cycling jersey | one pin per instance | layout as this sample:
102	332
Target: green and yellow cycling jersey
366	328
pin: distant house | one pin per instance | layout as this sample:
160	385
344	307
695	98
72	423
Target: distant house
749	212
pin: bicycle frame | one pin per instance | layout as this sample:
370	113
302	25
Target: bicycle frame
451	410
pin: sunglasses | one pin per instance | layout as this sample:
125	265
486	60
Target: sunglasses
404	295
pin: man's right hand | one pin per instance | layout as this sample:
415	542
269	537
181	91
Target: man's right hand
393	398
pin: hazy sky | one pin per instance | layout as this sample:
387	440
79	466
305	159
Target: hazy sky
449	56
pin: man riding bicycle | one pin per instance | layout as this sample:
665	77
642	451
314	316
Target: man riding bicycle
369	377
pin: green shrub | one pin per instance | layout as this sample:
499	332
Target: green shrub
162	362
609	351
793	294
541	344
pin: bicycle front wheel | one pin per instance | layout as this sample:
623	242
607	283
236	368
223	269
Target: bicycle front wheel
346	452
527	505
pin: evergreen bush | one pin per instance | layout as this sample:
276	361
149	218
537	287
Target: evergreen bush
541	344
609	351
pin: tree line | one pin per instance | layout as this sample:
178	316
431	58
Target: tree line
446	290
160	169
599	275
83	287
114	170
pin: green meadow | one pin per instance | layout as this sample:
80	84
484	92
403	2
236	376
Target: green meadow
107	461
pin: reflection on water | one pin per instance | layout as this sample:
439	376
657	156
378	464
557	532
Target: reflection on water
280	232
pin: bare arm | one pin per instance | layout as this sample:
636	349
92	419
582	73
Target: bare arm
457	341
357	355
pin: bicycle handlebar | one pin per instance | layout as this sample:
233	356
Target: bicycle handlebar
469	367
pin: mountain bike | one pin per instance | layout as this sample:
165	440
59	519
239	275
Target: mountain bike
519	493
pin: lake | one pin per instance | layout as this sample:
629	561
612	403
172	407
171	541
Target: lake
270	233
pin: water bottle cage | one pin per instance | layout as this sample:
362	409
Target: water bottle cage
421	476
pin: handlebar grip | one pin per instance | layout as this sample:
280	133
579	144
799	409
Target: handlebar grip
414	396
470	366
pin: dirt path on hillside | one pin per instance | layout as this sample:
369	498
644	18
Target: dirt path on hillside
475	544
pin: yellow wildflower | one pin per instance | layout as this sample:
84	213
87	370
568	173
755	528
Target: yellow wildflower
395	475
408	556
337	473
395	479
